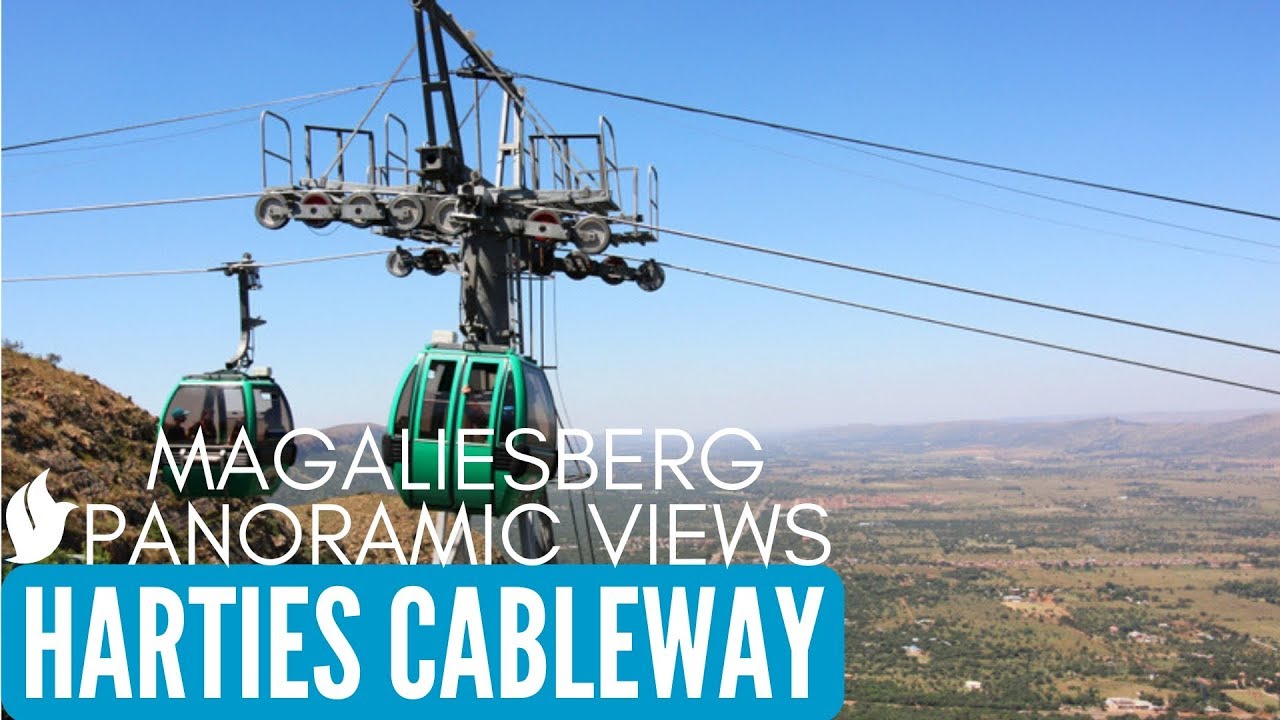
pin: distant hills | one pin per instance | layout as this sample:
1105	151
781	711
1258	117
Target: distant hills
346	440
99	444
1255	437
1251	438
1223	435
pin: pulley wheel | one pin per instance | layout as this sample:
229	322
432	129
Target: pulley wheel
433	261
443	217
577	265
361	209
272	211
613	270
591	234
315	209
545	219
650	276
399	263
406	213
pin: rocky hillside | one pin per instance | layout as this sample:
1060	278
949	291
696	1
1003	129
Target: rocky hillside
97	446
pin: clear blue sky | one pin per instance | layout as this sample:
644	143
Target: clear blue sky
1175	97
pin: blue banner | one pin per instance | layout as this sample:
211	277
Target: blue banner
632	641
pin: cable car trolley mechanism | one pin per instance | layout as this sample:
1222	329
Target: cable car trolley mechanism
217	406
551	208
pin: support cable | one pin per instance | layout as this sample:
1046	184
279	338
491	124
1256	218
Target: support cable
193	271
1055	199
967	328
1010	211
372	106
199	116
153	138
896	148
130	204
946	286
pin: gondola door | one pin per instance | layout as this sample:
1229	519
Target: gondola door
431	454
478	412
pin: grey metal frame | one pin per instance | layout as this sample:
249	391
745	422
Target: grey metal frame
341	134
287	156
389	154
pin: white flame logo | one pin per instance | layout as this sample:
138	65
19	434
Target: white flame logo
35	521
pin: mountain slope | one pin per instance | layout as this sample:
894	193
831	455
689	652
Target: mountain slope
98	447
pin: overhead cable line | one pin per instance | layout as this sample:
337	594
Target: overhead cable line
342	149
130	204
895	148
1051	198
194	271
133	141
946	286
1010	211
319	259
166	136
107	276
201	115
970	328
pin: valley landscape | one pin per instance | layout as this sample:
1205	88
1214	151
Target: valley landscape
1096	567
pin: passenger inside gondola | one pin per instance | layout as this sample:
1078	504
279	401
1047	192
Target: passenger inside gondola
475	410
435	400
175	429
478	399
209	425
221	409
507	420
191	411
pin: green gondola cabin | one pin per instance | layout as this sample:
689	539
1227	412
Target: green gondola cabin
217	405
448	391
